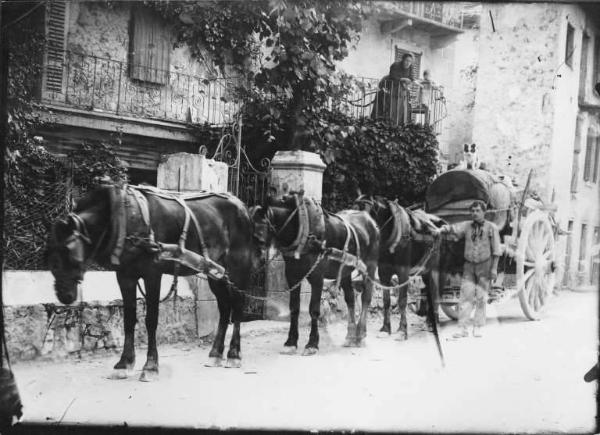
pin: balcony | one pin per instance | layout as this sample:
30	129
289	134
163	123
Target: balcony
103	85
396	103
436	18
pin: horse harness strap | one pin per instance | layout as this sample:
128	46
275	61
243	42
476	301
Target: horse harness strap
119	223
399	217
344	257
311	225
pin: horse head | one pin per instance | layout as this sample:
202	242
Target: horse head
67	249
275	220
72	241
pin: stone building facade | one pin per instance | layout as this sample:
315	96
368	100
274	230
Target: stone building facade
112	67
536	109
441	37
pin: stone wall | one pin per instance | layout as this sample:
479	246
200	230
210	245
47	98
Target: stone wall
37	325
460	95
192	92
515	103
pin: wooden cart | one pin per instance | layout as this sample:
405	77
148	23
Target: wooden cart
527	267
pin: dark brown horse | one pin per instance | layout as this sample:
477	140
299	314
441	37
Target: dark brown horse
352	231
123	229
400	250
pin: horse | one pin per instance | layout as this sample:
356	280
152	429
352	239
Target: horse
320	255
128	228
400	250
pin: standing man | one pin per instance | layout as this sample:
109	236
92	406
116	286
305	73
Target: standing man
482	250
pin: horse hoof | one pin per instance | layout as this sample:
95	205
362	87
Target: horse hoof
402	337
349	342
308	351
289	350
149	376
119	374
233	363
214	361
361	342
384	334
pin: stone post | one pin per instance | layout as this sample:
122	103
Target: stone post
185	172
291	171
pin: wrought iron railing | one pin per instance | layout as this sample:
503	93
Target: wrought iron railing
101	84
398	103
450	14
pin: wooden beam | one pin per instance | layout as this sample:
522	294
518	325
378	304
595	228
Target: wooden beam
393	26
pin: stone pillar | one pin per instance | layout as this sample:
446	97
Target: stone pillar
185	172
295	170
291	170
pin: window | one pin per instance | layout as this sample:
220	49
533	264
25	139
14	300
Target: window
569	46
416	66
596	76
595	258
150	47
576	151
56	13
583	68
568	253
582	248
590	153
596	161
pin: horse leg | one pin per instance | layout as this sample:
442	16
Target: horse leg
291	344
403	273
316	283
219	289
234	356
385	276
346	284
365	299
126	363
152	284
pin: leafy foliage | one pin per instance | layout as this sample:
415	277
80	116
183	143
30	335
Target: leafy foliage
284	47
398	162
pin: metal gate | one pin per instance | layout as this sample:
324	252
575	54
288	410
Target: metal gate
250	184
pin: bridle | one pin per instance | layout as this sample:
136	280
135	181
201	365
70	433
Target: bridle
269	216
374	205
81	235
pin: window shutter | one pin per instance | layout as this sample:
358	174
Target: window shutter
416	66
596	161
575	172
56	14
589	154
150	47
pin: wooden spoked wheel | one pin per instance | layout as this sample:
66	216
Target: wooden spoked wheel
535	264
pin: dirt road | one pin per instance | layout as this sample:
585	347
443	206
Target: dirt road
521	376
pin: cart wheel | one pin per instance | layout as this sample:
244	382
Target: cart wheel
535	264
450	310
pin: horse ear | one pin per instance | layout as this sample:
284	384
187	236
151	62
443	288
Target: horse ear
301	193
466	148
473	147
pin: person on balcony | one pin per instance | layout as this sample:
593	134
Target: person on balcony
427	95
391	101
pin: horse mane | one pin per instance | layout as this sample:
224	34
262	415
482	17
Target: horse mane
92	198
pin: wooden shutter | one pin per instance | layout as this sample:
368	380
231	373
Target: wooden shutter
56	15
149	47
596	161
589	155
416	66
